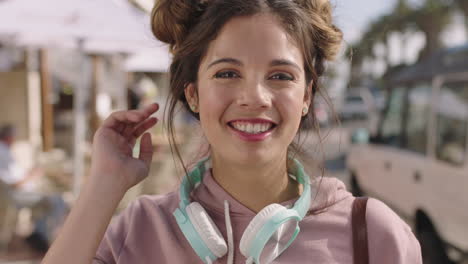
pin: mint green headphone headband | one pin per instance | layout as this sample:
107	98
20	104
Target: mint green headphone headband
189	182
195	177
297	212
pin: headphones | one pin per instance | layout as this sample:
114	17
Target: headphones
269	233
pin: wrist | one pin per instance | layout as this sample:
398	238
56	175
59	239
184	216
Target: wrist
111	187
92	196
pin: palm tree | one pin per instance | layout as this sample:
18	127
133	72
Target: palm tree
378	33
432	18
357	54
463	6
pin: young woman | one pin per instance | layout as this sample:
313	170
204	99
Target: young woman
249	71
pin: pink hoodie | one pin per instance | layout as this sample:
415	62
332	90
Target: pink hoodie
147	232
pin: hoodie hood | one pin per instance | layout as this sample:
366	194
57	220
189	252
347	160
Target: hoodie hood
325	192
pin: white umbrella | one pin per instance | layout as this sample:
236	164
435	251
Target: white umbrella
114	23
103	26
149	61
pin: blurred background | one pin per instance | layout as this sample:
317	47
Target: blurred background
394	124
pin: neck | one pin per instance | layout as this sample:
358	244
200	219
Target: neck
257	185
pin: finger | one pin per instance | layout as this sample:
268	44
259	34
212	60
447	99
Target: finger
116	119
150	109
141	128
146	149
130	128
120	127
145	113
137	132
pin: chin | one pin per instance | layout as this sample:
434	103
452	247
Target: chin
248	157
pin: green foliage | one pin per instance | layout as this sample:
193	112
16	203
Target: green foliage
431	18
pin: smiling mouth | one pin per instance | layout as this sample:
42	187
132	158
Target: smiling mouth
252	128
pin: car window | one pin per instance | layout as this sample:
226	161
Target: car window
452	116
416	123
354	99
391	127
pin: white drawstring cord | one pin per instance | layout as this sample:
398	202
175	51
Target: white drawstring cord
250	260
208	260
227	217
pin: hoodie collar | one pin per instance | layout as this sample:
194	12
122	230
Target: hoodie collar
325	192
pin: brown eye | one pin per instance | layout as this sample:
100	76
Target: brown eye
282	77
226	75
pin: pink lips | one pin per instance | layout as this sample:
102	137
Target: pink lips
253	137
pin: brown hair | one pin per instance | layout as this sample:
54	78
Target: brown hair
189	26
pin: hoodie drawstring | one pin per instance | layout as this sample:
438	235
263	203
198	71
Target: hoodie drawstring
227	217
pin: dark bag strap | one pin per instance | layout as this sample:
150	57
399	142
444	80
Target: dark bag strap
360	244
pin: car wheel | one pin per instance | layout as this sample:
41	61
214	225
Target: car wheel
432	247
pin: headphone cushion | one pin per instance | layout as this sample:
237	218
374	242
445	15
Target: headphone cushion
254	226
206	229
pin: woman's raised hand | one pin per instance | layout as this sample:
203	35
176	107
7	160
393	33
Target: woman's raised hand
112	160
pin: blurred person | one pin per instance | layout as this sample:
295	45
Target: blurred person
248	70
22	186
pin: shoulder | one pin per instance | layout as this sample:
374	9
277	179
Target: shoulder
381	216
146	210
152	206
391	240
146	215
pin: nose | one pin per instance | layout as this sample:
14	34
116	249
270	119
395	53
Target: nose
254	95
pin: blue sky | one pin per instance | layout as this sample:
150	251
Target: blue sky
352	16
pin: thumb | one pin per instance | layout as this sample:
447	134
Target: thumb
146	149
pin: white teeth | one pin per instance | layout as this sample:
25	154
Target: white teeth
257	129
251	128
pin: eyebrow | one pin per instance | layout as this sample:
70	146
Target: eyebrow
226	60
276	62
281	62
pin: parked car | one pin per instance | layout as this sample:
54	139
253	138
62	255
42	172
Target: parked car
361	103
417	161
354	107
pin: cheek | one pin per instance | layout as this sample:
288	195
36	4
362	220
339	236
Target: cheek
213	102
291	103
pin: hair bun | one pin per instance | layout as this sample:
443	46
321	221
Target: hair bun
171	20
329	36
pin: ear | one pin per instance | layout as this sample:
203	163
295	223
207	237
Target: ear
191	95
308	95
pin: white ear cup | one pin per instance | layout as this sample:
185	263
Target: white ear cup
254	226
206	229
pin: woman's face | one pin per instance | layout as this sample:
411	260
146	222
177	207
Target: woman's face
251	91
